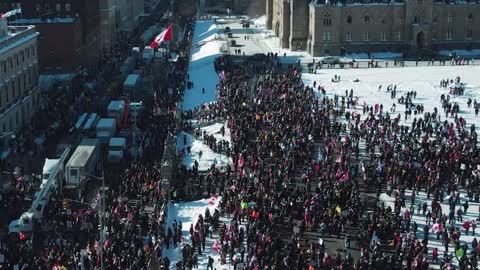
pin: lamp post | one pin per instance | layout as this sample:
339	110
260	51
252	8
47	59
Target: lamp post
103	188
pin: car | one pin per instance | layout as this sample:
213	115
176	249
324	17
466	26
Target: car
331	60
227	29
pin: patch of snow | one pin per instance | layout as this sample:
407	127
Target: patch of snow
196	146
205	48
260	21
187	213
424	80
215	131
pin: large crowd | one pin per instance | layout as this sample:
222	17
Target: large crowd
275	192
274	183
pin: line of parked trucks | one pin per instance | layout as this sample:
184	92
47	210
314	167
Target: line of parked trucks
71	174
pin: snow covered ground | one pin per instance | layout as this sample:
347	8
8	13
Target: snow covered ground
471	215
208	157
187	213
205	48
424	80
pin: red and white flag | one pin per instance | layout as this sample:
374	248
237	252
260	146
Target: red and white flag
166	35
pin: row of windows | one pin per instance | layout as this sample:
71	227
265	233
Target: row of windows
58	7
13	62
16	122
327	19
18	87
384	36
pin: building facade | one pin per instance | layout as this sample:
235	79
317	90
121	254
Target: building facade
412	27
19	91
85	15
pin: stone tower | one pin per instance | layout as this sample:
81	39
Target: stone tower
299	23
418	24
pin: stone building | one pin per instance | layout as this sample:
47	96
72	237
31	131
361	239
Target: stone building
78	22
414	27
19	92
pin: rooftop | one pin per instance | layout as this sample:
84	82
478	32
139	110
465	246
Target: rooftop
43	20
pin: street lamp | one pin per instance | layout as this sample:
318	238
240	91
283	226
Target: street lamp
103	188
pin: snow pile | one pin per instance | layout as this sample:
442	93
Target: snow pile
215	130
207	158
205	48
260	21
187	213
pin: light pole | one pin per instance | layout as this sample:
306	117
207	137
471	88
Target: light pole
103	188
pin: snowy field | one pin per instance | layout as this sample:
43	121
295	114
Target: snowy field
205	48
424	80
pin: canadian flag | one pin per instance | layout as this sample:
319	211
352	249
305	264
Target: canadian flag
166	35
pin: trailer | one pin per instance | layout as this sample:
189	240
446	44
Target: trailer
83	163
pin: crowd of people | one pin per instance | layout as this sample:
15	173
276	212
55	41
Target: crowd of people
122	227
275	130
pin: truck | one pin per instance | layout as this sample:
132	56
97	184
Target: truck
48	167
83	163
116	109
106	128
116	149
41	198
131	85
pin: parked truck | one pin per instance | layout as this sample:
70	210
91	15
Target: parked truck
106	128
35	213
83	163
116	149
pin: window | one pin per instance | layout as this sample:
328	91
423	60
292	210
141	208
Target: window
366	19
415	19
469	34
327	19
37	7
17	60
4	66
47	6
365	36
434	35
22	54
435	19
348	36
13	90
383	20
67	7
470	17
327	36
449	35
58	7
450	18
383	36
349	19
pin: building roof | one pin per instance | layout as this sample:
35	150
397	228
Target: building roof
40	20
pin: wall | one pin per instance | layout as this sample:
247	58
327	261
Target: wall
298	24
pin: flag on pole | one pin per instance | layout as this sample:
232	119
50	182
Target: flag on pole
11	13
166	35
